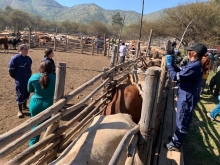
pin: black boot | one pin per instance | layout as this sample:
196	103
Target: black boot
20	115
25	105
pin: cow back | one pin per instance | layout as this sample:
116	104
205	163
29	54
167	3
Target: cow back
98	142
125	100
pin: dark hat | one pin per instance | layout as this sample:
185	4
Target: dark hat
198	48
173	43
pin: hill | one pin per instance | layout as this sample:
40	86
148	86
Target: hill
84	13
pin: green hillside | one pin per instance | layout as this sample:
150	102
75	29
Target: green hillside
84	13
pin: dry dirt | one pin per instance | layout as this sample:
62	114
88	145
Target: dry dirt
77	72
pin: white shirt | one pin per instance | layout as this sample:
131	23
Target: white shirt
122	50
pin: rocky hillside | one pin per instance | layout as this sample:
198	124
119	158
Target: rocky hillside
84	13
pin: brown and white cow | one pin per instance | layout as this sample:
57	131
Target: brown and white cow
125	100
97	144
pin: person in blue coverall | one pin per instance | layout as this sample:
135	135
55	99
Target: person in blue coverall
48	55
20	70
188	79
214	113
43	86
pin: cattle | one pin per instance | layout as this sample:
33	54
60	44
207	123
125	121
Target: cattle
14	42
96	145
4	41
126	99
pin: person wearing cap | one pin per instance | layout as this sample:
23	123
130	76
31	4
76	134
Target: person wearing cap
188	81
19	67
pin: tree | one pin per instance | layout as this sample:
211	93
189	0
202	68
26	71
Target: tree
117	19
205	26
97	28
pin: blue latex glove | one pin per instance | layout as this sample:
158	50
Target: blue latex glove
169	60
219	98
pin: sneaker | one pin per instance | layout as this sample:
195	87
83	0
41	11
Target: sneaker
212	119
171	148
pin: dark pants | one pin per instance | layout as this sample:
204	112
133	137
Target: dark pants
217	87
122	59
185	106
21	93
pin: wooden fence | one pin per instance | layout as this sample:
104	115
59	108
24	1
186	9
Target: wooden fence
58	137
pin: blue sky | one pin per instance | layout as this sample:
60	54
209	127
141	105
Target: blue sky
136	5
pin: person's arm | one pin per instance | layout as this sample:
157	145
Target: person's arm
30	87
12	67
172	69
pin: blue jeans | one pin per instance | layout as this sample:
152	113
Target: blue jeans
214	113
122	59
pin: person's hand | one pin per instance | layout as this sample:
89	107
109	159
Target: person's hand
169	60
219	98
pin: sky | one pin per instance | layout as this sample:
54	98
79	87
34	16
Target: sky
135	5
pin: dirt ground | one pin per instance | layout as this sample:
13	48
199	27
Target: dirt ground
77	72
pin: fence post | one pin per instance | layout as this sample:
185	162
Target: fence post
81	46
29	38
137	49
92	49
54	46
160	108
144	148
105	45
149	43
114	55
66	42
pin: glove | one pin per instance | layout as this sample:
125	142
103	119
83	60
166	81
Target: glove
219	98
169	60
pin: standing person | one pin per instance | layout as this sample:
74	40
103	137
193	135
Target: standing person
43	86
214	113
20	70
122	50
188	81
215	81
48	55
98	43
205	66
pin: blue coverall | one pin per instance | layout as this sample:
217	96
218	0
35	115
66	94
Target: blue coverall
188	79
41	99
20	69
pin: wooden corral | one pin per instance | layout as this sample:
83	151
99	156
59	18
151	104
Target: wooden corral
48	148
